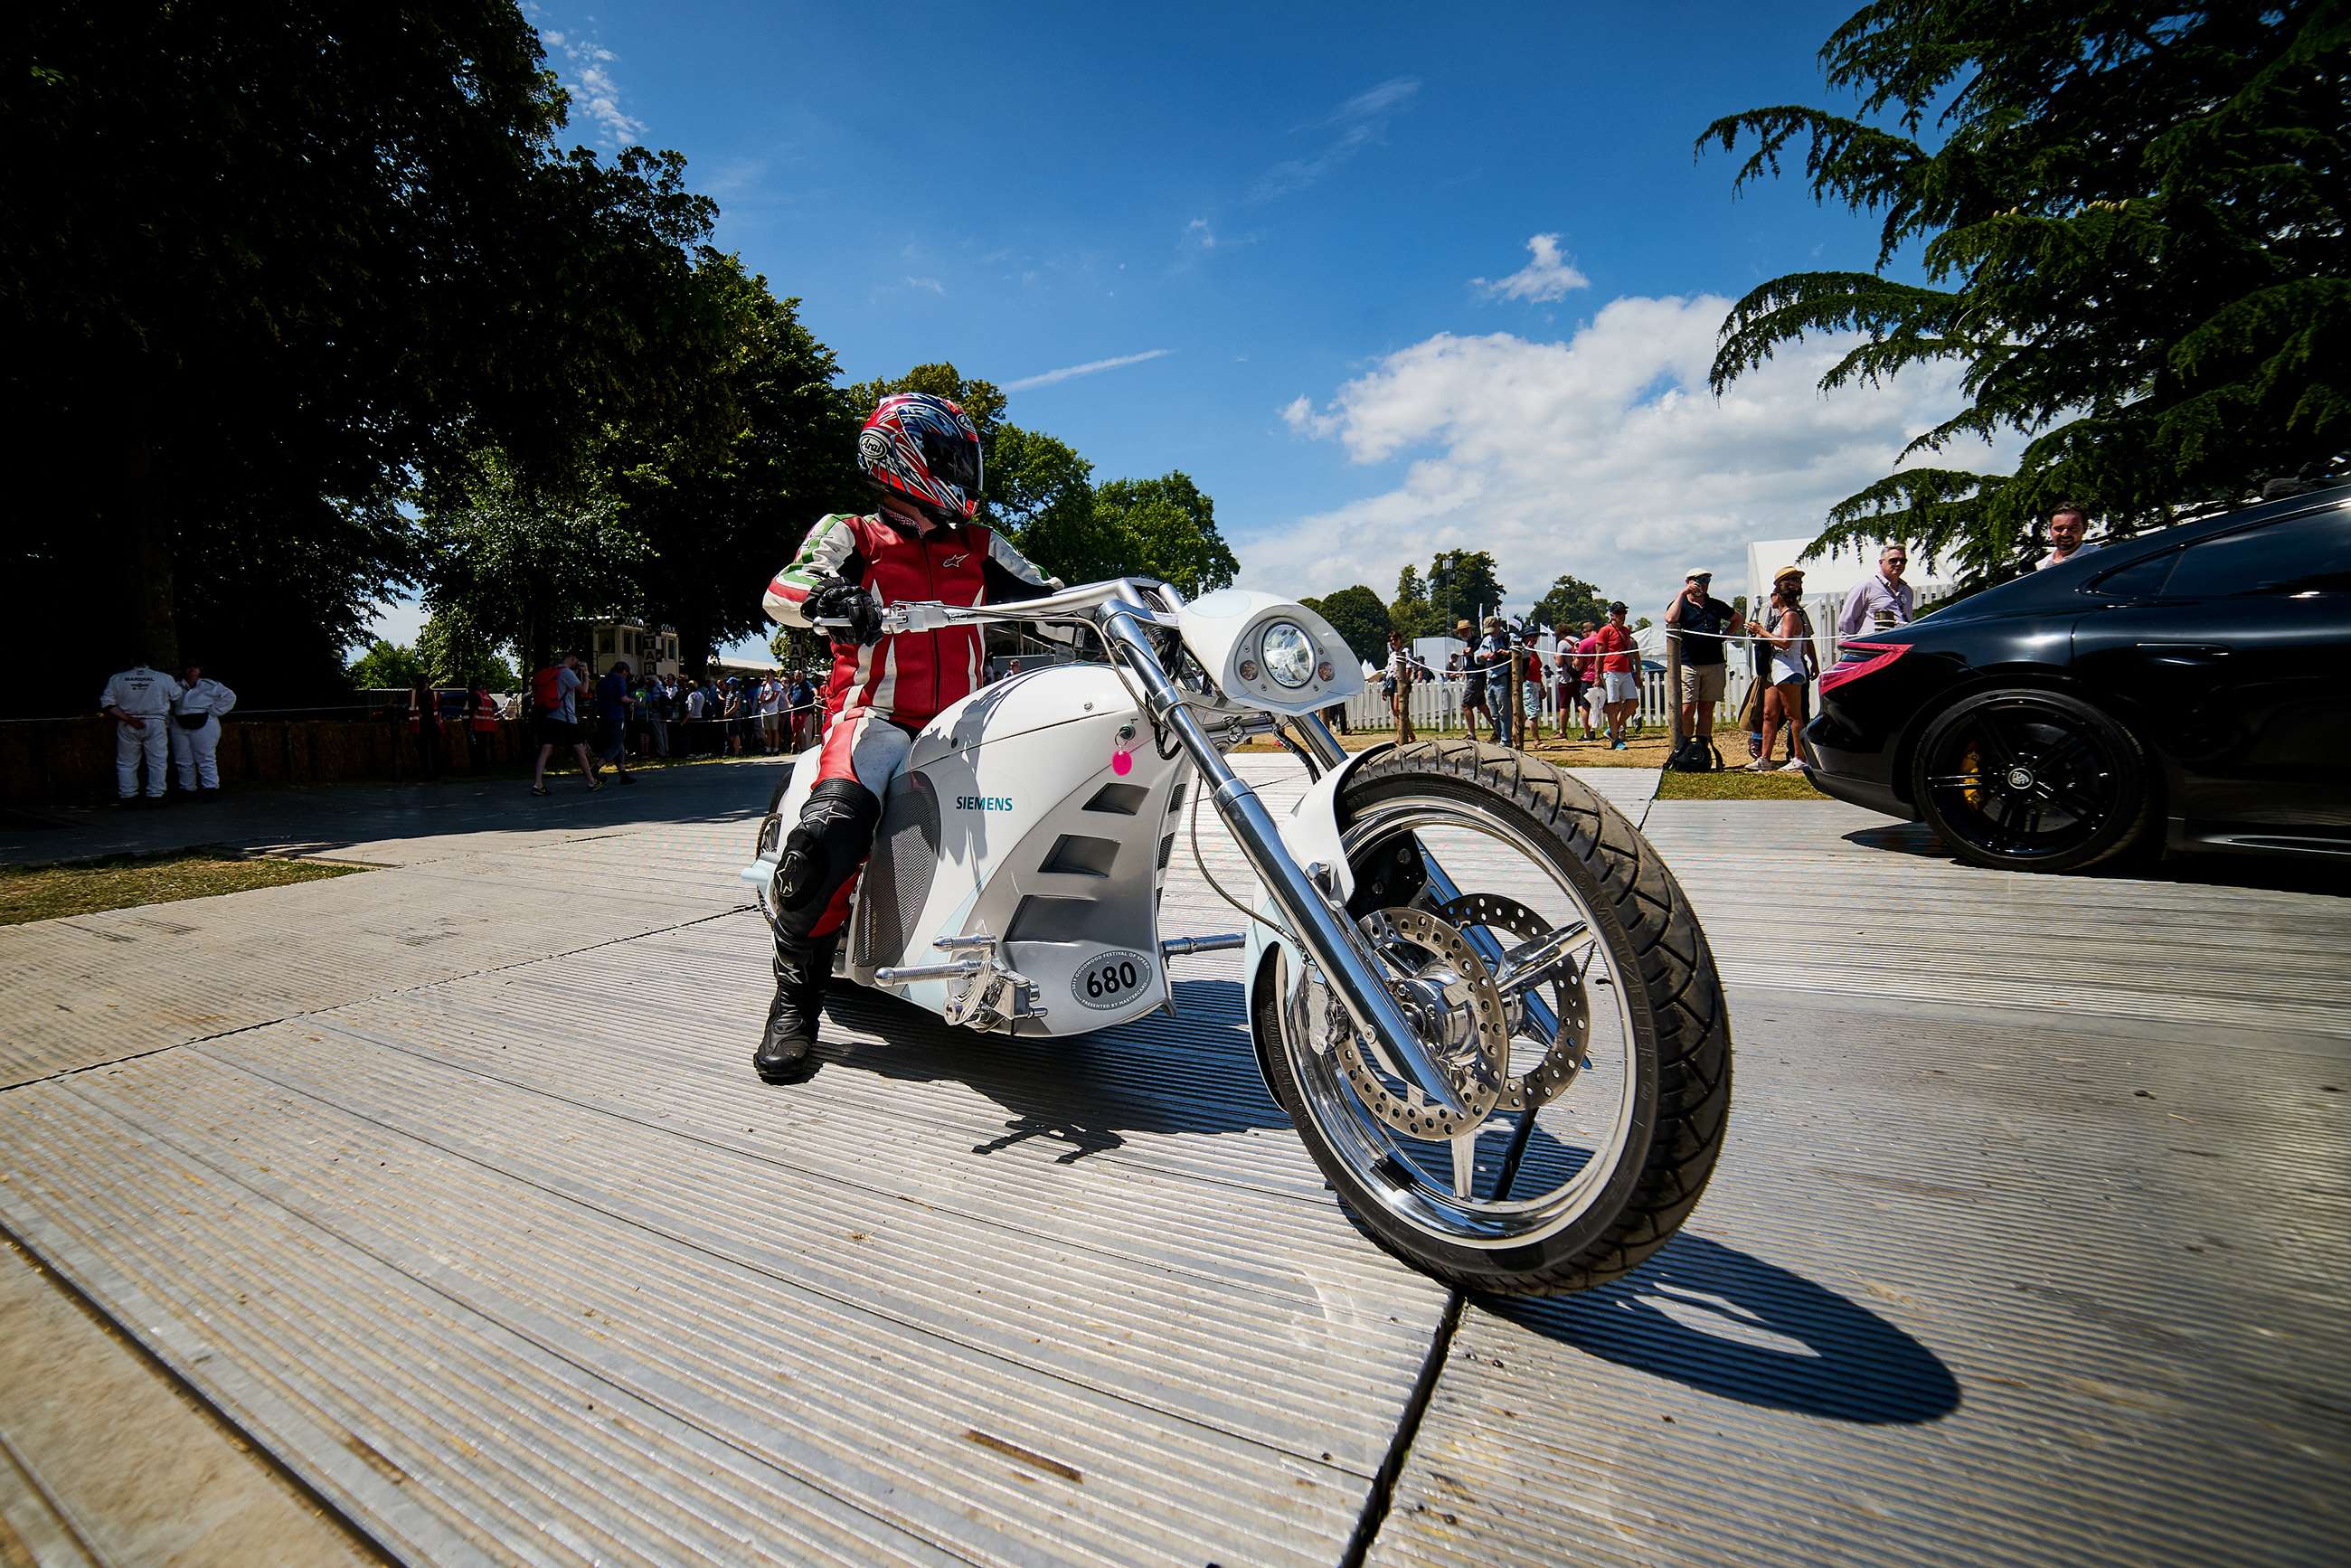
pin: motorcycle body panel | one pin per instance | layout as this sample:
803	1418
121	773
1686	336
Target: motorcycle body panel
1035	810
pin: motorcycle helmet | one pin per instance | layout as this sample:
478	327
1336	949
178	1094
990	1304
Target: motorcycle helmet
927	449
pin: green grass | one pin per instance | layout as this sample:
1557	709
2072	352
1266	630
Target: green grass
122	881
1736	784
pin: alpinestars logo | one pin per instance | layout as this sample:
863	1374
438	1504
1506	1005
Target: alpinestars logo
957	559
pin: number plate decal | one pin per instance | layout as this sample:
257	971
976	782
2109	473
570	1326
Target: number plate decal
1111	979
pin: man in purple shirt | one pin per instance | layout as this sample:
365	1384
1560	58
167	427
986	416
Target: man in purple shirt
1880	601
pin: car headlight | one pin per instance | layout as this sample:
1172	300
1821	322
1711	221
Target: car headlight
1289	653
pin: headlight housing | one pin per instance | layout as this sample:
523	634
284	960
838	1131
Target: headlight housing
1289	653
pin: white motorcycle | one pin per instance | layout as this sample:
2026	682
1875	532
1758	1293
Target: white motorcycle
1470	982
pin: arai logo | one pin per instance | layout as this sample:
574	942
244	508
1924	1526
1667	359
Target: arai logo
983	802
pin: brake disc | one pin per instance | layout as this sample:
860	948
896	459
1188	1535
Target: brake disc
1563	1056
1448	992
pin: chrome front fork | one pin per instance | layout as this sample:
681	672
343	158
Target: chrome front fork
1318	740
1320	925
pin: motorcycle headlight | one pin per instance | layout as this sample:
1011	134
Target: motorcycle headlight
1289	655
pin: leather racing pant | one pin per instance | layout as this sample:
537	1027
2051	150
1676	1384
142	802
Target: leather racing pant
817	871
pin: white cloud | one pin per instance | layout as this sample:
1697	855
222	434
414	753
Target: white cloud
1047	378
595	94
1604	456
932	284
1200	238
1375	103
1359	121
1549	276
1299	416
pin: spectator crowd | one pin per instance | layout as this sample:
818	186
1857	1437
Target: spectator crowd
1590	680
639	715
168	728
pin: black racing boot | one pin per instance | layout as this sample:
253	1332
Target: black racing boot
801	970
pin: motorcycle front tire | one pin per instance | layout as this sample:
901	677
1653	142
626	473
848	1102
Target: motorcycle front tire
1680	1050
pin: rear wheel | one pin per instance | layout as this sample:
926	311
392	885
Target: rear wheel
1552	964
2033	780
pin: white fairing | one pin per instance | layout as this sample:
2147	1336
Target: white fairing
1038	811
1226	631
1311	833
1051	806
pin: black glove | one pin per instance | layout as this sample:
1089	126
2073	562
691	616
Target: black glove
846	602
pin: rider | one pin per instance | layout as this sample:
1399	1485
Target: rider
922	454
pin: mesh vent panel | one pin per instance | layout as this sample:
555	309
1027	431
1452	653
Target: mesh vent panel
898	877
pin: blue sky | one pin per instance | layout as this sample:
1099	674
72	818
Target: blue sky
1384	279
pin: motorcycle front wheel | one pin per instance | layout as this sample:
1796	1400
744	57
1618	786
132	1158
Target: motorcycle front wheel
1606	1107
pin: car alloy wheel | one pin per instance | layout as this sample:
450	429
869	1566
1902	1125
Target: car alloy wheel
2031	781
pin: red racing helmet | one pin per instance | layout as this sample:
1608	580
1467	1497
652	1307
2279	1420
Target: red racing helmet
927	449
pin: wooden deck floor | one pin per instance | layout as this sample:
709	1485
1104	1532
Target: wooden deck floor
447	1187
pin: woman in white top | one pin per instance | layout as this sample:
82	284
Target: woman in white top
1399	684
1787	632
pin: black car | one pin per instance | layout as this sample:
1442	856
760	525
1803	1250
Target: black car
2197	679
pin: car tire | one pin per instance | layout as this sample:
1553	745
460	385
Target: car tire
2012	743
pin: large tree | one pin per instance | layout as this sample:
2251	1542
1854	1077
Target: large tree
1411	612
387	666
523	560
267	265
726	484
1570	601
453	653
1166	528
1462	586
1041	494
2129	229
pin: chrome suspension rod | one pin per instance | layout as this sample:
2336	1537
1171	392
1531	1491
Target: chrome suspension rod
1335	942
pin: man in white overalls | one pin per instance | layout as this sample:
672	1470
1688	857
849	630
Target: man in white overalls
138	700
196	714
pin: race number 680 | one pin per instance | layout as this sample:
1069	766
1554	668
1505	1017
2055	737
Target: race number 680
1109	980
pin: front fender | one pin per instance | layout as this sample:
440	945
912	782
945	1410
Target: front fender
1311	833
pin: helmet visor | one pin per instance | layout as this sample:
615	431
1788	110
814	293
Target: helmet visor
952	459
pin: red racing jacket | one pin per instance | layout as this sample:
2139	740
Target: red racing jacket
912	675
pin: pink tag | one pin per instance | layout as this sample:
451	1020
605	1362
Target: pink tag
1122	761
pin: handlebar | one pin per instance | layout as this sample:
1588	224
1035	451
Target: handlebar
1068	605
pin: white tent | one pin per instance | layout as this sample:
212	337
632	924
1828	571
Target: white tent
1434	651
